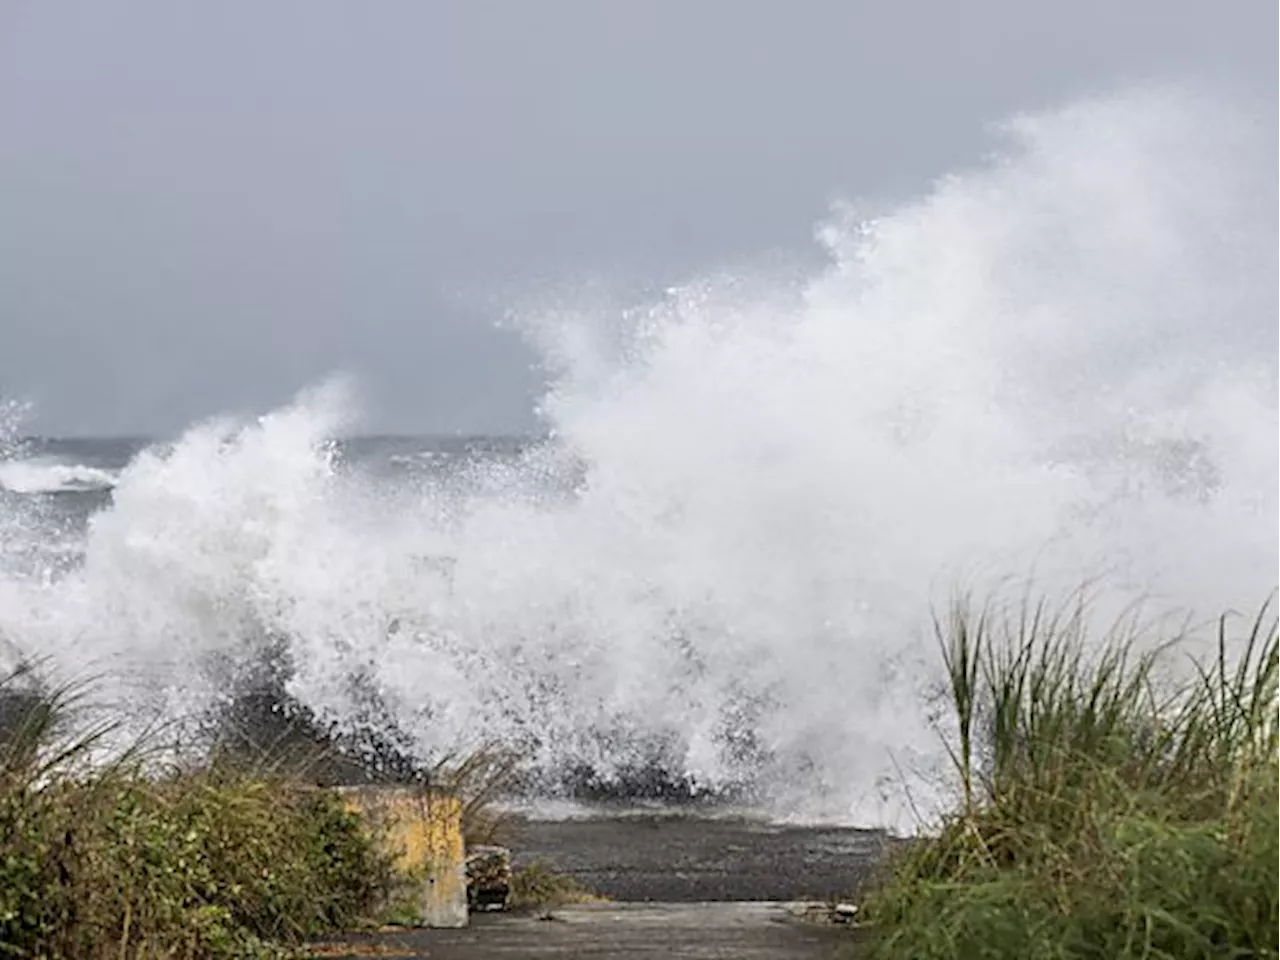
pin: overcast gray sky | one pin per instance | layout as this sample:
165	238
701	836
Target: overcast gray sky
204	206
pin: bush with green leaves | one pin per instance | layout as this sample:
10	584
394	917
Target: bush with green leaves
111	859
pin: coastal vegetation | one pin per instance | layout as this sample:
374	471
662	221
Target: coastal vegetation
1116	799
114	857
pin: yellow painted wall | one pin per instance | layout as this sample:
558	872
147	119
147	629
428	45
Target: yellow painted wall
423	828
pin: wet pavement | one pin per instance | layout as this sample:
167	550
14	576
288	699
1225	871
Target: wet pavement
681	887
676	858
622	931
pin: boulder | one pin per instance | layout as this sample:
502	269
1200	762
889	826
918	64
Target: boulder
488	877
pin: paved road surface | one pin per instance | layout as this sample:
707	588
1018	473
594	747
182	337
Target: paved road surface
685	888
629	931
681	859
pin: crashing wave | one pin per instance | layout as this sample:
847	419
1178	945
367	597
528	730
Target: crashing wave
721	562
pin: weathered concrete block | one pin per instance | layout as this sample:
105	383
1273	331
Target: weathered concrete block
424	831
488	877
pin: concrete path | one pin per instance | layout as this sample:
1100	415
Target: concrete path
619	931
673	858
682	886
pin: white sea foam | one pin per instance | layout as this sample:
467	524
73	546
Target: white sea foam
43	475
726	554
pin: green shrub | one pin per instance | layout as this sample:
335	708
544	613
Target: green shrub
104	860
539	887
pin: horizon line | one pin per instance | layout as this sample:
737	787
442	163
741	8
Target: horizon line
395	435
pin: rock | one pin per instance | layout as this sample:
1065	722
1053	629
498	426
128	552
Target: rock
844	912
488	877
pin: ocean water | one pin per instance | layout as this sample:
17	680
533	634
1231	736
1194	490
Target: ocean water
720	558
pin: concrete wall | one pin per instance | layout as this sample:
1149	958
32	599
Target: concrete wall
423	829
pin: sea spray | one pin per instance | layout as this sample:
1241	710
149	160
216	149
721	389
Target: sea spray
721	562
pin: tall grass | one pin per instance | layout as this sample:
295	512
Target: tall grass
106	857
1108	809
